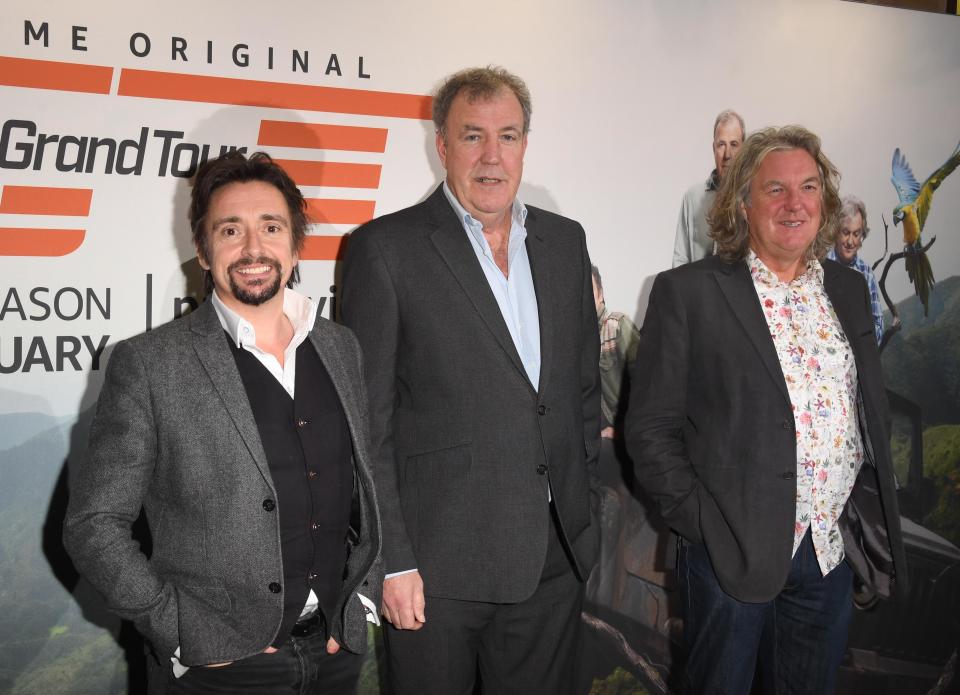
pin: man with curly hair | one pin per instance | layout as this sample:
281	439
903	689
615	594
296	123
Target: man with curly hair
760	428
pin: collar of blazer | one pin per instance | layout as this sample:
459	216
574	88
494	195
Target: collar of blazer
450	240
737	287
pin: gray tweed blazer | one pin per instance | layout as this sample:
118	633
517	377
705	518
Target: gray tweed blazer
174	435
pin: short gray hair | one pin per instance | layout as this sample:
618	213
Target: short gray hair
726	116
479	83
850	206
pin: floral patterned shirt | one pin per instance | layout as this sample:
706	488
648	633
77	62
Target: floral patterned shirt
821	377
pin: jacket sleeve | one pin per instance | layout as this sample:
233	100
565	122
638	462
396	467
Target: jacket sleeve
658	411
106	498
370	308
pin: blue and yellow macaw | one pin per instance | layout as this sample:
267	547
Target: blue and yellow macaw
913	209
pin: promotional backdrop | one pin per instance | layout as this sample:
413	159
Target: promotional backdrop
106	108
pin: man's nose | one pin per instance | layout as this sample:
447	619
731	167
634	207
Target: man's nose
491	151
252	243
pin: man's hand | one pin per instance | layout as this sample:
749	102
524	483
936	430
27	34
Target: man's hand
332	646
403	601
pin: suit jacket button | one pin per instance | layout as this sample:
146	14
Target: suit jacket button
542	468
301	422
269	505
542	410
787	425
788	475
274	587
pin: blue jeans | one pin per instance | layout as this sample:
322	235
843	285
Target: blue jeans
797	639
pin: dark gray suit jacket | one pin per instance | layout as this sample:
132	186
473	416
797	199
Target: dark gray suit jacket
464	446
711	429
175	435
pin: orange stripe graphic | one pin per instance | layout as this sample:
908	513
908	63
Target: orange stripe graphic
49	74
19	241
41	200
277	95
323	248
335	211
322	136
343	174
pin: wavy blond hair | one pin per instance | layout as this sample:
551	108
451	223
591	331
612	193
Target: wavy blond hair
728	222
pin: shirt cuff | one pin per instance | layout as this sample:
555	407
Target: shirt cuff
373	613
397	574
178	668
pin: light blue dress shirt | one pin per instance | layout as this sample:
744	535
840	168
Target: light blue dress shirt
515	293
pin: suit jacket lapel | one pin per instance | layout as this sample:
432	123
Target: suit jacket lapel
841	305
214	354
452	244
329	352
737	286
537	251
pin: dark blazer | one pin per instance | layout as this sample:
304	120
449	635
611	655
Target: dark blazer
464	446
711	429
175	435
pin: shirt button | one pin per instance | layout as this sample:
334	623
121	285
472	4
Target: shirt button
542	468
274	587
269	505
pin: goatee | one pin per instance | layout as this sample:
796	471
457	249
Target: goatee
259	293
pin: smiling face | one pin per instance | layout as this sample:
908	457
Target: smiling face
727	138
250	244
850	237
482	150
785	210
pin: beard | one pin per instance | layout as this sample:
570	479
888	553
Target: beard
263	290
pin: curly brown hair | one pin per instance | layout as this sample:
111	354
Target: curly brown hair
728	222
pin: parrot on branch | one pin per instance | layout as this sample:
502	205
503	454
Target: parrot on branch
913	209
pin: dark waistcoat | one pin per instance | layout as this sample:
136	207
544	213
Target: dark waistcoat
308	448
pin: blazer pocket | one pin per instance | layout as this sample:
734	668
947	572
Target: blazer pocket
205	622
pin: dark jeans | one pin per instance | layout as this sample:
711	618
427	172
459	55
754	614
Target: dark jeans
301	666
797	639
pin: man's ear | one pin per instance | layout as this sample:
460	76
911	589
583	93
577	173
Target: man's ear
442	149
201	260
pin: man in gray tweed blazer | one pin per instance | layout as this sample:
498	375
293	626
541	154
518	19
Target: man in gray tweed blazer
241	431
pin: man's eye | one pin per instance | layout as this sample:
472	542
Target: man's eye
229	231
273	228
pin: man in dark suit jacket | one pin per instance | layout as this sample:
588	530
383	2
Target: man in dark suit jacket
476	318
241	431
760	427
